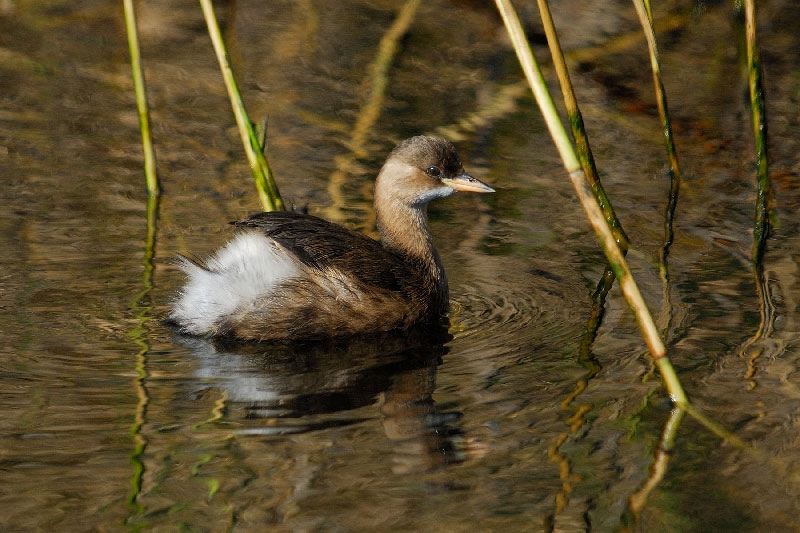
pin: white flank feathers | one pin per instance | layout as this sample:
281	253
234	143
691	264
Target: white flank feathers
244	270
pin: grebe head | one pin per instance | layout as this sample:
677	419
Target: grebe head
421	169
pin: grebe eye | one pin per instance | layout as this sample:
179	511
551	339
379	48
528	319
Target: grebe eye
434	172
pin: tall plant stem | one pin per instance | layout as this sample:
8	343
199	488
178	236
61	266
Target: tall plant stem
267	189
151	177
646	19
762	225
142	304
576	124
596	217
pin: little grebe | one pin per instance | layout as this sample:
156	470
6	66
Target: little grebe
290	276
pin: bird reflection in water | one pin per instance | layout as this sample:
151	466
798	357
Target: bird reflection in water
299	388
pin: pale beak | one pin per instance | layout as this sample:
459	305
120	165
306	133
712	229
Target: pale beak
466	183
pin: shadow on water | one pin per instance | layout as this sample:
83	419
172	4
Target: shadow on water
298	388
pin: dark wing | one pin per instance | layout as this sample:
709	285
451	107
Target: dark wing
321	244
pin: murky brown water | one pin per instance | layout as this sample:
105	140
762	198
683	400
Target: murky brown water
111	422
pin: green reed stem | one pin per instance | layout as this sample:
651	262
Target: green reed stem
646	19
150	175
142	304
596	315
575	119
537	84
763	215
596	217
267	189
576	124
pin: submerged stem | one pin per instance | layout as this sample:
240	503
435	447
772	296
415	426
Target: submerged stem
143	308
658	468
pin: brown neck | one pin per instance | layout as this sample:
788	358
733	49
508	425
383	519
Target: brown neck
404	230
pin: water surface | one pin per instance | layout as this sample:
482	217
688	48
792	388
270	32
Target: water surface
510	422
